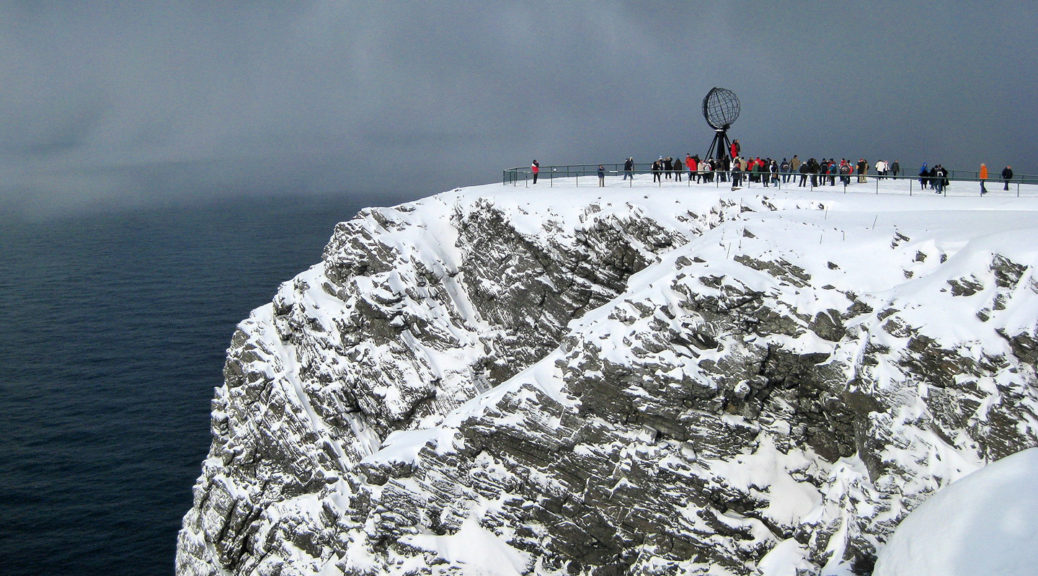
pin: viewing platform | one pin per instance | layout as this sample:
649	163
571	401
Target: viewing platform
959	183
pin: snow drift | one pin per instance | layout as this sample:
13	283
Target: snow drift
986	523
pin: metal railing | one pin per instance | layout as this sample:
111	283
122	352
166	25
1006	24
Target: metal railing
961	183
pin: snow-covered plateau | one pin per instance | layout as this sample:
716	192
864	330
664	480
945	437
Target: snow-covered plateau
676	379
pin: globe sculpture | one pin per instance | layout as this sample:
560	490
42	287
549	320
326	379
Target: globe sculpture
720	108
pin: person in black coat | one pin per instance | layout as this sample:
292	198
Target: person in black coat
736	170
1007	175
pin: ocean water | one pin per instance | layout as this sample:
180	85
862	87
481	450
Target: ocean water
113	331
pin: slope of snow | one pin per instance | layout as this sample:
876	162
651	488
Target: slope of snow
986	523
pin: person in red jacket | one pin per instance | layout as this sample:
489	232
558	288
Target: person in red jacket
983	176
735	149
535	168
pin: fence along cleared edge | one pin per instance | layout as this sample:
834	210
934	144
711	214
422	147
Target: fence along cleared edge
524	176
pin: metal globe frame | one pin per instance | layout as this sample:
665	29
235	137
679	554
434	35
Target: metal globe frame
720	110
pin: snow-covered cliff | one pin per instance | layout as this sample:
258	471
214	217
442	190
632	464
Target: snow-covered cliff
646	380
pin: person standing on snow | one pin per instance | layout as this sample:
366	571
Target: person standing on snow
736	174
601	176
535	168
1007	175
895	168
983	176
629	168
845	172
937	181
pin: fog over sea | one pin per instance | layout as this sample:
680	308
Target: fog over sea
114	330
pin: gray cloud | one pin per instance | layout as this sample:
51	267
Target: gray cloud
128	102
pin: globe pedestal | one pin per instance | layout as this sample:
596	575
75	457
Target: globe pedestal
721	144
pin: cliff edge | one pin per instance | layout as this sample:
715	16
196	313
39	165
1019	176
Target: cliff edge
675	380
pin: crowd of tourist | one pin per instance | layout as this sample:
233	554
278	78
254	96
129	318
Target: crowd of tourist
766	171
769	172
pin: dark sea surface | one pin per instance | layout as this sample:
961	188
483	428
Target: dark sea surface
113	330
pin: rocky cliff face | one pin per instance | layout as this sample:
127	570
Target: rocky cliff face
622	382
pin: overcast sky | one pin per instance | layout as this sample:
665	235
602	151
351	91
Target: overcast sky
129	102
